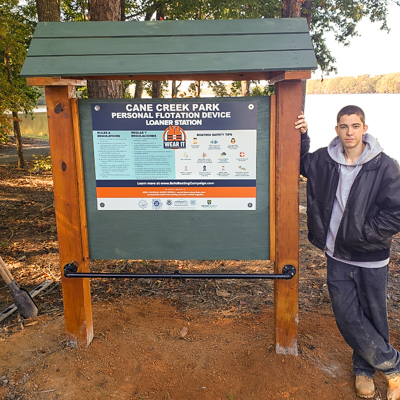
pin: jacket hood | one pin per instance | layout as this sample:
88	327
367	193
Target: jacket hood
372	149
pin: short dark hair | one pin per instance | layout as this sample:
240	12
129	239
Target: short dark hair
350	110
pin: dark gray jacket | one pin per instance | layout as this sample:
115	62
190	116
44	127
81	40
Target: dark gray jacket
372	213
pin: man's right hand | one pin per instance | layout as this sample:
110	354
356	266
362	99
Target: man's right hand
301	123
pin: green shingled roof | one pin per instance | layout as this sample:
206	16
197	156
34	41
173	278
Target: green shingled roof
84	49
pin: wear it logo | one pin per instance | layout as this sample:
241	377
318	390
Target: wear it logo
174	138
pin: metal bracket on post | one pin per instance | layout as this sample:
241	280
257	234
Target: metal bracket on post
70	271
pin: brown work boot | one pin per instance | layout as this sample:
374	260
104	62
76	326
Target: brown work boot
393	392
365	387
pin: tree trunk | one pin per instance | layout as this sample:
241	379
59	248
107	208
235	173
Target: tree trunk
123	9
198	88
104	89
138	90
48	10
16	125
105	10
157	85
174	89
139	84
290	9
18	140
156	89
83	13
245	88
306	9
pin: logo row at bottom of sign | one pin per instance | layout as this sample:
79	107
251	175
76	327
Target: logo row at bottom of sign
192	204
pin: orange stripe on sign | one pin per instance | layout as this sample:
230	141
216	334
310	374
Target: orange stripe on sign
118	192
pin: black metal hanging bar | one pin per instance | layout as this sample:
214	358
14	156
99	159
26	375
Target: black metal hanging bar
70	271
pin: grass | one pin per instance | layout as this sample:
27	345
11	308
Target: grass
38	136
35	128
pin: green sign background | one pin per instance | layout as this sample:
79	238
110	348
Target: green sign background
179	235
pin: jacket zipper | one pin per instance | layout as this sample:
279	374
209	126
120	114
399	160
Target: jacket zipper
346	208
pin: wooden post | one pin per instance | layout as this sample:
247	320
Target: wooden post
63	122
287	157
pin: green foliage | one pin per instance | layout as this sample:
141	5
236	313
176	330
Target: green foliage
74	10
218	9
41	163
267	90
41	100
125	89
149	89
236	88
5	127
341	17
222	89
16	29
81	92
193	90
389	83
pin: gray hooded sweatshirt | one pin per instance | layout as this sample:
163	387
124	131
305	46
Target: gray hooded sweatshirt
347	175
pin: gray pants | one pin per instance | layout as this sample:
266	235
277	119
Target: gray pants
358	298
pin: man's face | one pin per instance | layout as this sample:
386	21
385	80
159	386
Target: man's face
350	130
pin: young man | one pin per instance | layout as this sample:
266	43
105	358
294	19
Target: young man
353	210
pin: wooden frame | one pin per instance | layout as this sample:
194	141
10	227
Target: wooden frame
62	109
277	50
287	162
70	210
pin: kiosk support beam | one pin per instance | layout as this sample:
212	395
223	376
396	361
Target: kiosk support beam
287	158
71	271
63	122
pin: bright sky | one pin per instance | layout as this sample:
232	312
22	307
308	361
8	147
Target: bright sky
374	52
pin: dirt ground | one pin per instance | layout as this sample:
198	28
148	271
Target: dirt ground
164	339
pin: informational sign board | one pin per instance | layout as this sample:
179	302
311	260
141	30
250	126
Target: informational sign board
177	178
169	156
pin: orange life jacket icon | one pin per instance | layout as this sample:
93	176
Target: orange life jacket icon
174	134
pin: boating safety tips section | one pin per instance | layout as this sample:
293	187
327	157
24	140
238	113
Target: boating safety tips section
175	156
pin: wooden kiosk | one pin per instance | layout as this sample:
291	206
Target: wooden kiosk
65	55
